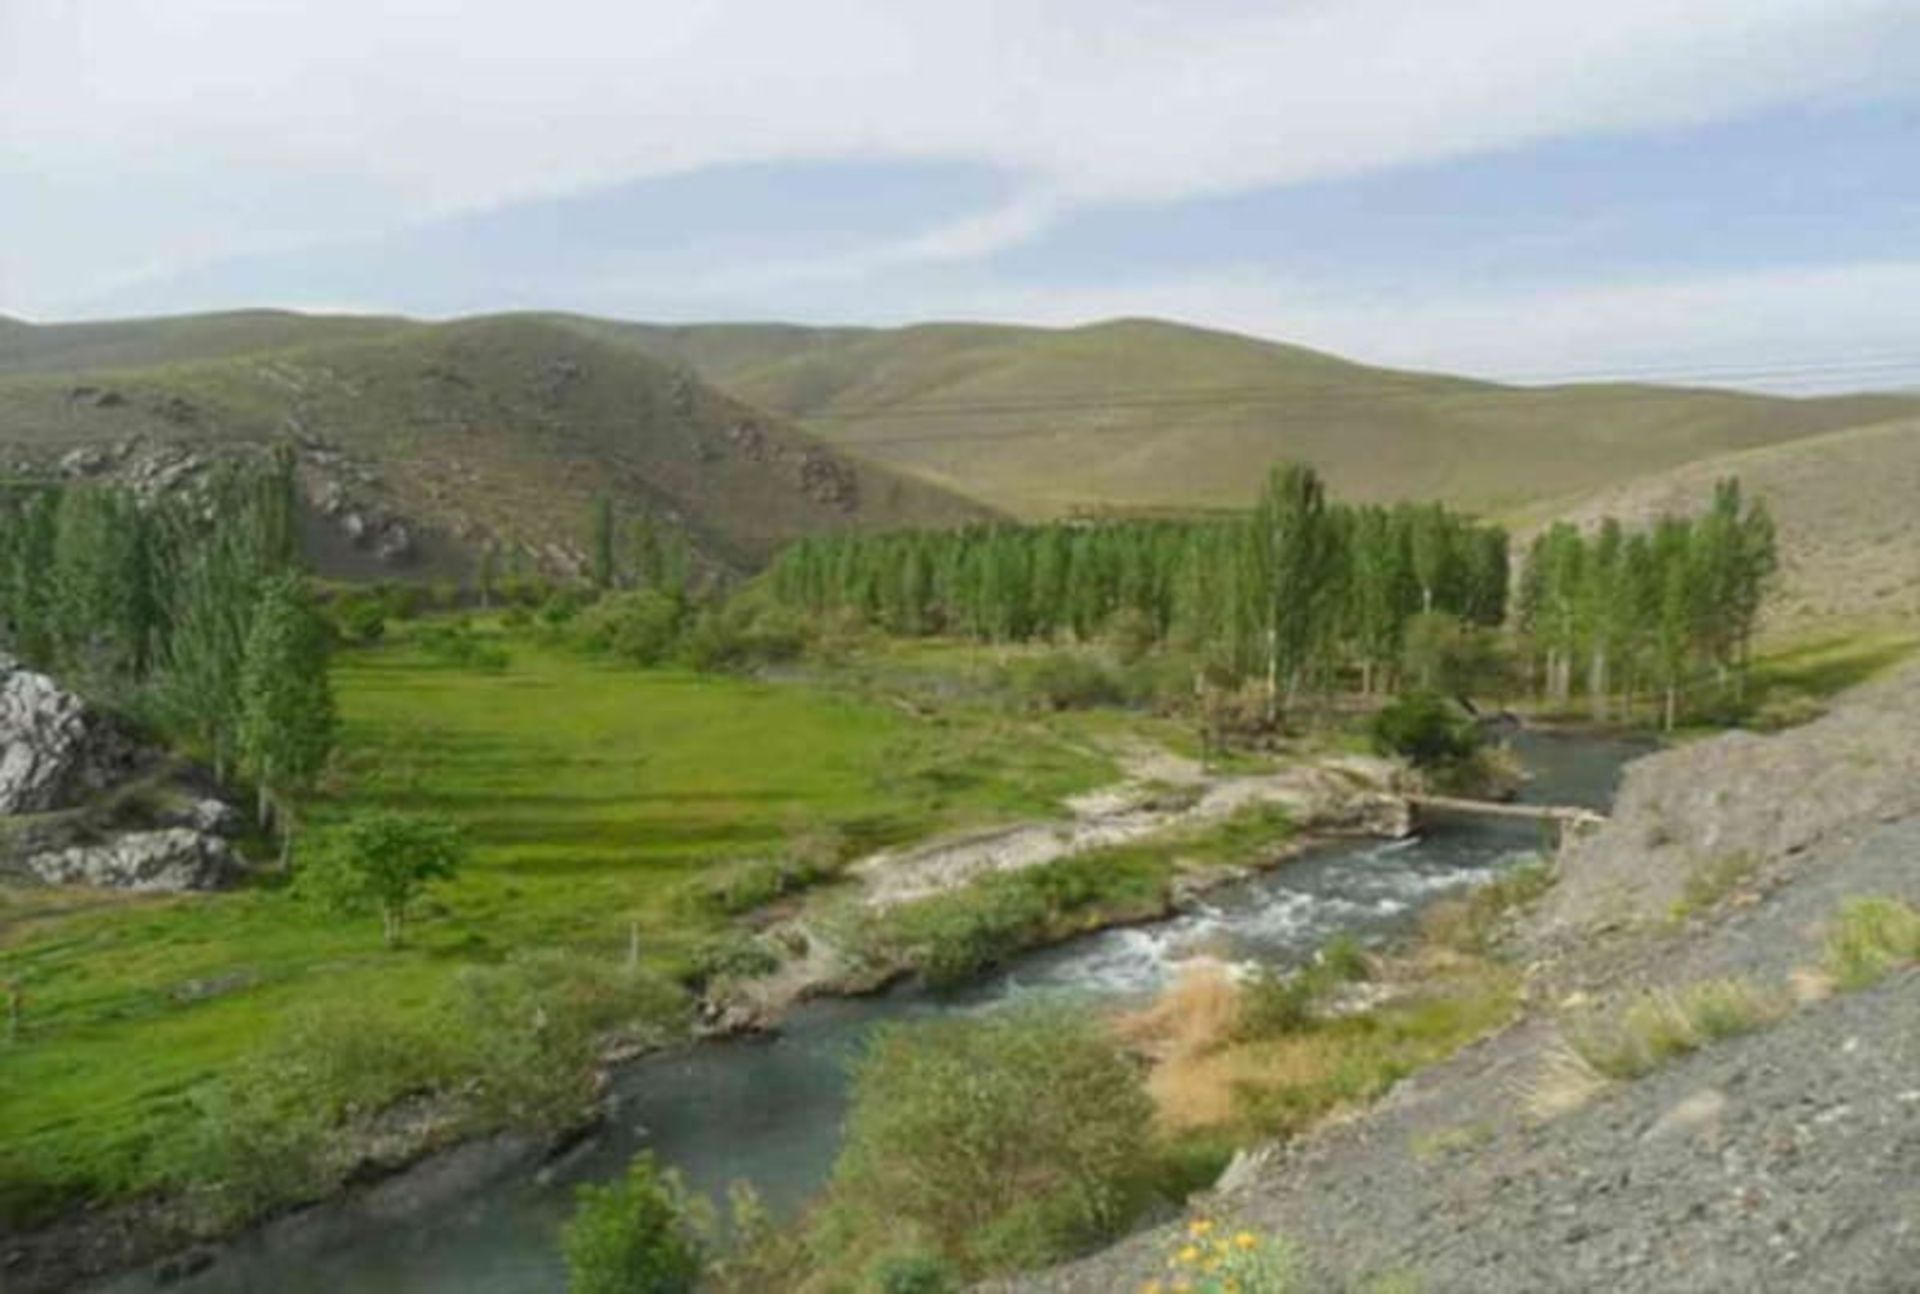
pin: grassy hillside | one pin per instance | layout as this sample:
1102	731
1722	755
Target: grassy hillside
1845	507
499	428
1138	413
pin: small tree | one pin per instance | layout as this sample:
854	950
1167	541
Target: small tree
633	1236
384	860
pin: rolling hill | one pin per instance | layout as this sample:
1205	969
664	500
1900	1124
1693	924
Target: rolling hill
1146	414
420	443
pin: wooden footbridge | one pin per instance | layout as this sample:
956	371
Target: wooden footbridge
1570	819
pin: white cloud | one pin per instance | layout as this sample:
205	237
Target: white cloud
419	107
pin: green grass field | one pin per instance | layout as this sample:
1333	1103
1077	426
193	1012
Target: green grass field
591	794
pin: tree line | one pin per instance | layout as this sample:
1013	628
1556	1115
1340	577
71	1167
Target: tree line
1286	595
1663	613
188	612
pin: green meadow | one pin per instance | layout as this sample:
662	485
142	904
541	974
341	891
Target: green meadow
591	793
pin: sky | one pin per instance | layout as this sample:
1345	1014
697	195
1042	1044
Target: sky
1719	190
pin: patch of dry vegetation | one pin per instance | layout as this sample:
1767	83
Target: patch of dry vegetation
1224	1058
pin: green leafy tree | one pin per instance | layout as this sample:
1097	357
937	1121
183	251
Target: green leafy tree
383	860
287	719
633	1236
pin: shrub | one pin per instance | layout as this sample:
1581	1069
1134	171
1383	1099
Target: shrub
562	605
642	627
730	956
1345	959
1708	882
952	937
734	888
1066	681
401	601
994	1142
458	644
912	1274
1273	1005
1869	939
360	618
743	634
633	1236
1661	1024
1424	728
530	1029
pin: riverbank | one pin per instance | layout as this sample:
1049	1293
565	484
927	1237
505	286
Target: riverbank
768	1107
1771	1149
1199	830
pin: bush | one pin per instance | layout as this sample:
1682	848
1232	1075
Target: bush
1661	1024
531	1026
730	956
1274	1005
1424	728
1869	939
950	938
457	643
742	635
359	618
994	1142
562	605
735	888
633	1236
912	1274
400	601
642	628
1066	681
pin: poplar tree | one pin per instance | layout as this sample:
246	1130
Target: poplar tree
286	722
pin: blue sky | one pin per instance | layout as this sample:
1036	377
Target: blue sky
1720	189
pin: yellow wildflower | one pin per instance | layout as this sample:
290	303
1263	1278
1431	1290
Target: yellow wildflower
1188	1255
1247	1240
1199	1227
1151	1287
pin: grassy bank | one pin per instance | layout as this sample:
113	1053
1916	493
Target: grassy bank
592	794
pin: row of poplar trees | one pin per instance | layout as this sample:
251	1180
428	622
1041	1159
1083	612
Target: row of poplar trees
1284	595
1662	614
190	613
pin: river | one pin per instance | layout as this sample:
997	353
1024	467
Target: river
768	1110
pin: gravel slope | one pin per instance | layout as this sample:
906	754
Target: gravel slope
1786	1160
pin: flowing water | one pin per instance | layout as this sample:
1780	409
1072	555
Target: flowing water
768	1110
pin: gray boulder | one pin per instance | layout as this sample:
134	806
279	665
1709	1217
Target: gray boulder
55	752
172	858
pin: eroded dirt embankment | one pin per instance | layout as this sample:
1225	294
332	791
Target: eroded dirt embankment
1787	1159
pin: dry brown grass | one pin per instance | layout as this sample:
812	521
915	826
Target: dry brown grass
1207	1075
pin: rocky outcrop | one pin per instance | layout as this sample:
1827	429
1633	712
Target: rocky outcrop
82	803
172	858
54	751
